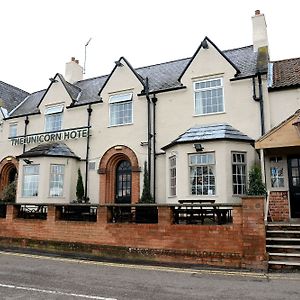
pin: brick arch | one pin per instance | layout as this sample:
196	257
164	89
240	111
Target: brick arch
7	164
107	171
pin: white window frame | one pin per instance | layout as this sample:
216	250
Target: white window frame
119	100
202	161
52	112
173	175
199	90
242	177
277	180
56	181
13	130
30	188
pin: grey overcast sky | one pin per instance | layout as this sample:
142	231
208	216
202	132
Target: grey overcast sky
39	37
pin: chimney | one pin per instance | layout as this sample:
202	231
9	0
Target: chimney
74	71
259	26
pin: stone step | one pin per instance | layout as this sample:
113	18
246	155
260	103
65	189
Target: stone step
285	263
284	246
284	254
283	239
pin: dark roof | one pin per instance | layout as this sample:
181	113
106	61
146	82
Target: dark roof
163	76
11	96
286	73
210	132
50	149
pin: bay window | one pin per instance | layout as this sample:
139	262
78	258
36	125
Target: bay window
239	173
172	165
56	180
30	180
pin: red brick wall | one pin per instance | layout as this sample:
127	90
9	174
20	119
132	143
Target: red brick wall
240	244
279	206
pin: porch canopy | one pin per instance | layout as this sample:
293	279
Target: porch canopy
283	139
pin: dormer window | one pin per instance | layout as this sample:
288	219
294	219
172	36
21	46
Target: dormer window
53	118
120	109
209	96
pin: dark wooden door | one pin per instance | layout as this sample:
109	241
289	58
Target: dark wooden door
123	182
294	184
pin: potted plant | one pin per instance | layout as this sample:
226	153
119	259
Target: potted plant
79	188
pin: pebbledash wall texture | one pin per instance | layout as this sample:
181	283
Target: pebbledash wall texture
237	245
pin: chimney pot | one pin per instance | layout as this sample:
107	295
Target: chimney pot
72	58
257	12
77	61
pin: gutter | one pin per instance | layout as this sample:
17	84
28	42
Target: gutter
89	110
260	100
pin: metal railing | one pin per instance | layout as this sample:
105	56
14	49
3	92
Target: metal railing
211	214
138	214
3	210
85	213
32	211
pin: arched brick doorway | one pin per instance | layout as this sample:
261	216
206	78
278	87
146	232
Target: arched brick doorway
109	165
8	171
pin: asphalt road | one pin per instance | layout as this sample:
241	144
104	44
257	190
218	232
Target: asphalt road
24	276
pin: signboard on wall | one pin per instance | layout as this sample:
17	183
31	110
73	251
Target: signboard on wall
48	137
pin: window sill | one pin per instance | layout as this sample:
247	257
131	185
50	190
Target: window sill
119	125
210	114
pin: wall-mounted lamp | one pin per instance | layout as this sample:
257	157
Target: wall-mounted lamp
118	63
198	147
118	147
27	161
297	125
53	80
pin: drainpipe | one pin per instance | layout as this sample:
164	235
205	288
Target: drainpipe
25	132
149	128
260	100
154	100
89	110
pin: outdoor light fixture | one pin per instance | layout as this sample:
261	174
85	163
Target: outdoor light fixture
118	63
27	161
198	147
53	80
297	125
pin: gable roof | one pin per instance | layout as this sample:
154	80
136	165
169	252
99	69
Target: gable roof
11	96
286	73
161	77
199	133
50	149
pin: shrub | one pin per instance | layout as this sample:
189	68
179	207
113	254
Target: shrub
79	187
256	186
146	194
9	192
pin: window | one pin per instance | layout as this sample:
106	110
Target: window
120	109
13	129
53	118
30	180
276	172
56	180
172	163
202	174
209	96
239	173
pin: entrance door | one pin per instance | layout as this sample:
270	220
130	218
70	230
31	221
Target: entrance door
123	182
294	184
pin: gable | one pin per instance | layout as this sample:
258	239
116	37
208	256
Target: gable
208	60
284	135
123	77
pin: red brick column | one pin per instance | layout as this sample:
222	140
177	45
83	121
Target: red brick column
254	233
165	215
51	214
11	212
103	215
279	208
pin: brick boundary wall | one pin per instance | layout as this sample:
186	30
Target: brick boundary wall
237	245
279	208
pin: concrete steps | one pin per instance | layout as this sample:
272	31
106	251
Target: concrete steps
283	246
